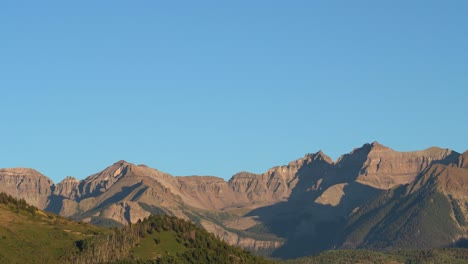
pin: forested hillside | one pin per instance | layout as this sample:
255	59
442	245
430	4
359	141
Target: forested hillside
29	235
433	256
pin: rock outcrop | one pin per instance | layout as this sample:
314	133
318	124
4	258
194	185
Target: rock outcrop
385	168
210	193
429	212
68	188
302	201
234	239
463	160
278	183
27	184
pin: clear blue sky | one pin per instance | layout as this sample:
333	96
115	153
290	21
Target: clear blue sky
217	87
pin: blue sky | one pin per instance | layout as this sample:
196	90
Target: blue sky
218	87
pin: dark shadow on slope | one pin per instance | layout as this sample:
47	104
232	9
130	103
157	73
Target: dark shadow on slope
462	243
54	204
400	219
126	191
310	227
127	214
139	194
154	210
319	175
451	159
85	187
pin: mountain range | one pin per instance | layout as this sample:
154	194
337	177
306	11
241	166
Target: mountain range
373	197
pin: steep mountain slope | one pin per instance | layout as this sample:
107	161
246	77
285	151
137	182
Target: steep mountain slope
452	256
288	211
323	199
385	168
430	212
463	160
278	183
28	235
118	193
27	184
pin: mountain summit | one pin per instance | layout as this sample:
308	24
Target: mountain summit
311	204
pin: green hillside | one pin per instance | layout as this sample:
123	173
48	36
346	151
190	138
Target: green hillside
164	239
415	216
433	256
28	235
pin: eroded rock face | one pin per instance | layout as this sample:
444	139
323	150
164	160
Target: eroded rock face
234	239
27	184
434	204
99	183
463	160
209	193
332	196
371	165
312	185
68	188
278	183
385	168
124	212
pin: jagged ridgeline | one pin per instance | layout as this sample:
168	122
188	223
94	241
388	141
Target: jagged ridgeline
372	198
29	235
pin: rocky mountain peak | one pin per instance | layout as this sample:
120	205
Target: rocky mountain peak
122	163
102	181
308	159
321	156
28	184
463	160
277	198
117	170
355	157
30	173
384	168
68	188
70	179
376	146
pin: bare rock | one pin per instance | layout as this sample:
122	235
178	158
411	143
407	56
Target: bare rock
463	160
27	184
385	168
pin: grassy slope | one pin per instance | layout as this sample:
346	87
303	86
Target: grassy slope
28	235
449	256
158	244
32	236
400	219
166	239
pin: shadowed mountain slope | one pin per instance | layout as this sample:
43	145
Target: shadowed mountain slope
430	212
28	235
306	206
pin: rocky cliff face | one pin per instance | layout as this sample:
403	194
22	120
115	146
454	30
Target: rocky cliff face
278	183
209	193
463	160
305	200
430	212
385	168
27	184
318	177
68	188
234	239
